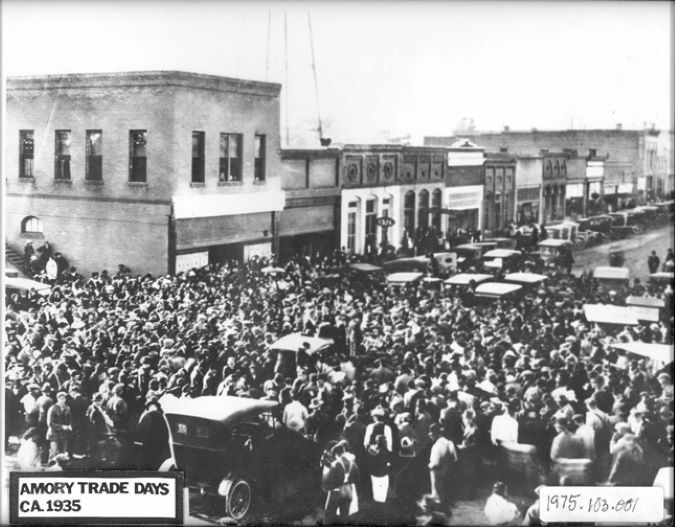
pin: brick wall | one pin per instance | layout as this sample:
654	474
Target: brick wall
95	235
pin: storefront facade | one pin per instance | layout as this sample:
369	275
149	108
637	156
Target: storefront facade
309	223
398	182
529	190
554	181
499	193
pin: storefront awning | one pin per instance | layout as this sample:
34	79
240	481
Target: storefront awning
211	205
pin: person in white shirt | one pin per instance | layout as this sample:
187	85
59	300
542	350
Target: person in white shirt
295	415
498	509
505	426
442	458
586	434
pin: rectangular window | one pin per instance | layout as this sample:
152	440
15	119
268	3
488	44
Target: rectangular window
351	232
137	156
230	157
198	157
26	147
94	154
259	169
62	155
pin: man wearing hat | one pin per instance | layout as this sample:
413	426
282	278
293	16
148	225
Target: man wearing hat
31	409
378	427
59	426
442	459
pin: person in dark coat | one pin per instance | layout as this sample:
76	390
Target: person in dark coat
78	413
379	465
653	263
59	426
153	436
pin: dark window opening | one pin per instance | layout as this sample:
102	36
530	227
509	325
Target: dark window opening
26	147
137	156
259	169
198	157
230	158
62	155
94	154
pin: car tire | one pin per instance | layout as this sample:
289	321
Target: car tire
239	500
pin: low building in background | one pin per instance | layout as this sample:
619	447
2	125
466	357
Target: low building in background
310	221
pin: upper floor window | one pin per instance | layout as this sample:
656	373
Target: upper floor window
198	157
259	170
230	157
62	155
94	152
26	146
137	156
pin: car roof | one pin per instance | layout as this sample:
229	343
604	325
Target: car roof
496	289
501	253
465	278
223	408
610	314
295	341
403	278
554	243
612	273
366	267
525	278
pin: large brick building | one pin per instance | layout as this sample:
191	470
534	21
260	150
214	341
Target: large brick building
160	171
632	169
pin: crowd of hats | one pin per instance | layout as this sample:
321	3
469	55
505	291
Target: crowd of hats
396	354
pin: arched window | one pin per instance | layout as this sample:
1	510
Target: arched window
409	212
436	200
31	225
423	211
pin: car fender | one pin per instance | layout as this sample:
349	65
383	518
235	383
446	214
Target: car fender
168	465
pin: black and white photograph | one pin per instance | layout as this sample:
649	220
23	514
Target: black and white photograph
337	263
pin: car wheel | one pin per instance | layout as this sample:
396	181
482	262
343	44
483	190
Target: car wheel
239	500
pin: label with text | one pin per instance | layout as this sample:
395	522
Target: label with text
601	504
96	497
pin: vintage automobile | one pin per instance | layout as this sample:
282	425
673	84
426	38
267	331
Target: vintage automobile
232	452
611	315
502	259
288	350
400	281
595	229
365	272
465	279
566	230
420	264
650	215
627	222
497	291
612	278
661	278
646	308
502	243
552	251
468	255
528	280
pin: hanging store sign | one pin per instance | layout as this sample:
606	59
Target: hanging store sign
385	221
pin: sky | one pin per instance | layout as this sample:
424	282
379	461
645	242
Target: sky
384	69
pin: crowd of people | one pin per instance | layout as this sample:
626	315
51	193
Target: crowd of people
417	397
